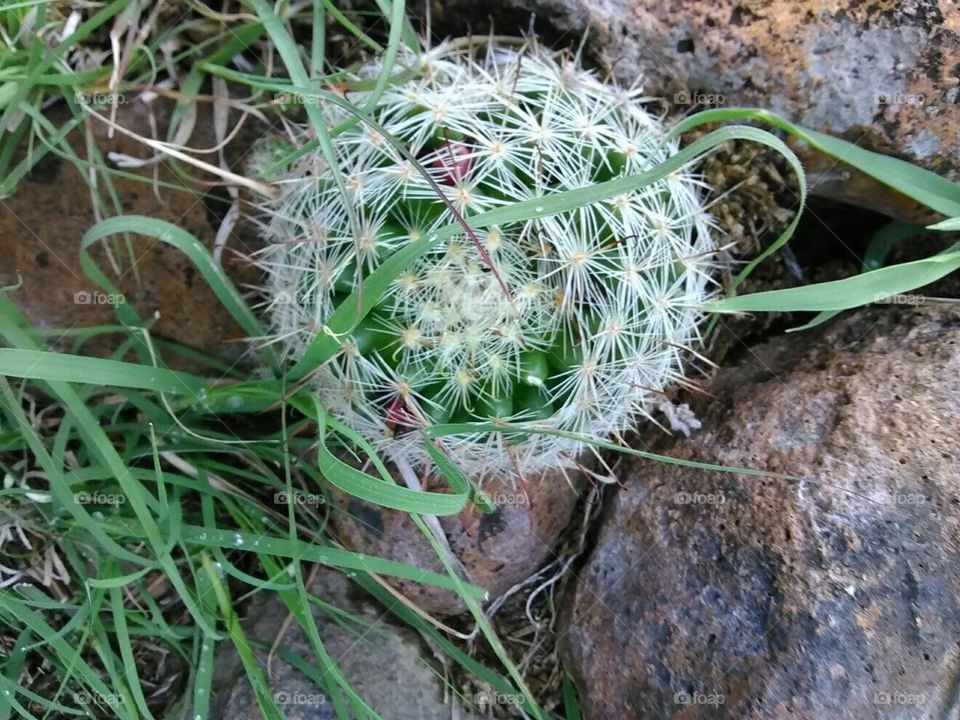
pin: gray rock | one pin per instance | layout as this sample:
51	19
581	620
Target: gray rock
712	595
384	662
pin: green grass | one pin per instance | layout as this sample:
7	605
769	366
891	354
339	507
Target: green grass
197	457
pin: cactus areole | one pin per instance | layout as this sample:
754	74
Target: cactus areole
570	321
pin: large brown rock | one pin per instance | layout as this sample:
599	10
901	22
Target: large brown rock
712	595
42	223
882	74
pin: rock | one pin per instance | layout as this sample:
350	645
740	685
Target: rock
42	224
384	662
884	74
496	550
711	595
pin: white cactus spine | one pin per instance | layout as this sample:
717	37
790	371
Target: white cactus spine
603	302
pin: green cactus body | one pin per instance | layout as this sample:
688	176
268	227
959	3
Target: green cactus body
602	301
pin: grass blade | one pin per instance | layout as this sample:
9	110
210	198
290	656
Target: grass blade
870	287
45	365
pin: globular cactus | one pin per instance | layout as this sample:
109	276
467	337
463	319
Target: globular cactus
574	321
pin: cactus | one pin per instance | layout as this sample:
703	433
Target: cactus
571	322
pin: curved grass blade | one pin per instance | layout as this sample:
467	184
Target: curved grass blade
927	188
380	492
186	243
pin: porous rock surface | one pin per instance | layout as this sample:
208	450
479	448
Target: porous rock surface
884	74
836	595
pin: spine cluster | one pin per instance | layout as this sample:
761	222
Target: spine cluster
573	322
